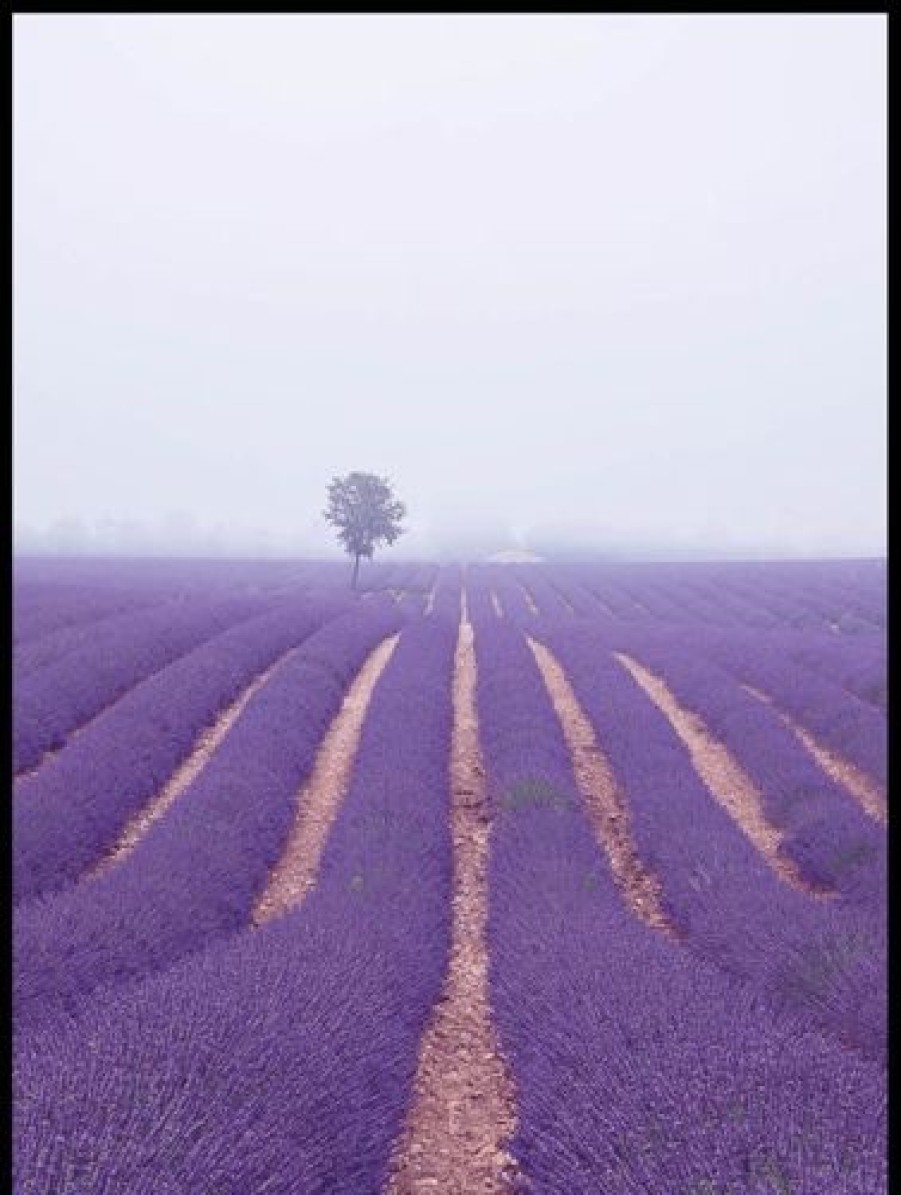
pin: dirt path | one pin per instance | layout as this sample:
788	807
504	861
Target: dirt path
208	742
726	781
530	601
463	1106
865	791
607	806
320	798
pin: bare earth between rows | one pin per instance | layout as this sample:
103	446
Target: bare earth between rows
864	790
463	1107
530	601
462	1113
320	797
208	743
723	777
77	731
606	804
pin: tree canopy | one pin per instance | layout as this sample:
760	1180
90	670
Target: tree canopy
365	512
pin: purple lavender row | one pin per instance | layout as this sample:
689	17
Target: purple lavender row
794	613
716	603
839	720
632	602
832	841
93	635
588	588
656	587
411	604
582	603
446	603
728	591
425	577
819	694
653	600
195	874
679	594
57	699
637	1067
836	596
856	663
711	603
575	592
42	610
378	576
860	662
510	594
478	594
274	577
176	577
558	584
869	592
720	600
676	605
74	809
417	578
810	594
797	599
375	577
824	960
795	606
280	1060
601	586
548	600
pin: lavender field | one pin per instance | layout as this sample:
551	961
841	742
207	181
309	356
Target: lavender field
559	879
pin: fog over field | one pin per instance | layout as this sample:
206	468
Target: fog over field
573	283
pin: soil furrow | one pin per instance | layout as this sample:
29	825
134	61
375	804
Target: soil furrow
530	601
320	797
207	743
865	791
723	777
606	804
462	1112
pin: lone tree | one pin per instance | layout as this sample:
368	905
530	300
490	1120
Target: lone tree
366	513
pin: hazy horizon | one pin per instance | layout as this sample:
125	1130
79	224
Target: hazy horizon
597	283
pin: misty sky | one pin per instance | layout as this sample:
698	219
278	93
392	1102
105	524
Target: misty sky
618	278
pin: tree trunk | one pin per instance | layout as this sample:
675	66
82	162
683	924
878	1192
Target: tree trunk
353	579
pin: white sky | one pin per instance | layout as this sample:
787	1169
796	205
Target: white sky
621	277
